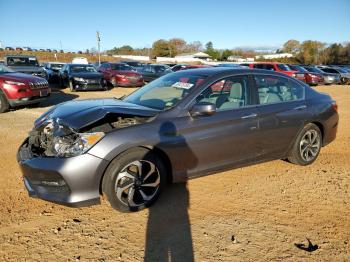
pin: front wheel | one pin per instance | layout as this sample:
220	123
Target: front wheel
4	105
134	180
307	146
71	87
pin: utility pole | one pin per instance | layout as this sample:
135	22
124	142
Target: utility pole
98	47
61	45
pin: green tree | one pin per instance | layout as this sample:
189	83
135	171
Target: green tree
291	46
225	54
161	48
310	52
214	54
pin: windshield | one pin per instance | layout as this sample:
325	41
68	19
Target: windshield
297	68
57	66
314	70
82	68
165	92
283	67
121	67
341	70
22	61
4	69
160	69
137	64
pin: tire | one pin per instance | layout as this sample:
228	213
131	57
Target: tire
344	81
4	104
307	146
135	196
71	87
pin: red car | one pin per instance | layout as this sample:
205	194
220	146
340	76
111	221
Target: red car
311	78
18	89
119	74
278	67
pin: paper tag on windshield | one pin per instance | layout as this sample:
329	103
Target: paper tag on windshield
182	85
32	58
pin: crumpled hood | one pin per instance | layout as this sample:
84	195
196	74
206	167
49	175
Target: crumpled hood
81	113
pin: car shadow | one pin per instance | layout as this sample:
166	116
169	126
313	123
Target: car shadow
57	96
168	235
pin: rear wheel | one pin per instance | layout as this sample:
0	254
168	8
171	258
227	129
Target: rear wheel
307	146
4	105
133	180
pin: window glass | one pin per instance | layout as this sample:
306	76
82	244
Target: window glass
165	92
226	94
274	89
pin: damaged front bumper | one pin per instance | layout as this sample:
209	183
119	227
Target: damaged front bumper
72	181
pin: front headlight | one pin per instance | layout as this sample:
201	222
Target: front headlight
79	79
14	83
75	144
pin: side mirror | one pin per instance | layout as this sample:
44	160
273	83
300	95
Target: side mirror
203	109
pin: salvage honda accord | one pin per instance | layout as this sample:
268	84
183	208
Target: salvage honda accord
183	125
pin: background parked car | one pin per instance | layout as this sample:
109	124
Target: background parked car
135	64
312	79
185	67
232	65
82	77
328	78
278	67
120	74
153	71
53	70
80	60
17	89
25	64
344	75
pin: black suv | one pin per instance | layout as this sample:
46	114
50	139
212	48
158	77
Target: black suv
25	64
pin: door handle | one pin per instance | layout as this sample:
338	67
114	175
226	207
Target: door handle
300	107
252	115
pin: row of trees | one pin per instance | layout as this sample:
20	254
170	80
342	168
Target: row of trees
307	52
315	52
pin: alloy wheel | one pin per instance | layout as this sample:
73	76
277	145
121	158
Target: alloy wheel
310	145
137	183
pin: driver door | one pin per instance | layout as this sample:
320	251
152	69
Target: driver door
228	137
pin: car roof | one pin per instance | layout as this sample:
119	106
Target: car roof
217	71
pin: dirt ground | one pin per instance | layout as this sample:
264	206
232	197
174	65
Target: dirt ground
248	214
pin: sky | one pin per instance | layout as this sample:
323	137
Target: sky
228	24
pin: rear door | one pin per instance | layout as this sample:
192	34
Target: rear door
282	111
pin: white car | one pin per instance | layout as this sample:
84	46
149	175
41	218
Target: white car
80	60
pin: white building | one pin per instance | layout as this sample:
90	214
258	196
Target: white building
274	56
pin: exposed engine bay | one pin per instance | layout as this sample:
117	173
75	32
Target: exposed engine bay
55	138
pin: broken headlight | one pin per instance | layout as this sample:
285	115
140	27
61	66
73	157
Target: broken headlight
74	144
60	140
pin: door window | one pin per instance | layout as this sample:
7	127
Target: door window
228	93
274	89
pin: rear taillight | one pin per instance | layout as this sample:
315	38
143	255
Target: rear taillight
335	106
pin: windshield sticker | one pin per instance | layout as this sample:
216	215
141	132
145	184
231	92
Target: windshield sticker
182	85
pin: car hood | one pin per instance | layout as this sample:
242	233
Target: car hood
88	75
82	113
26	69
21	77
